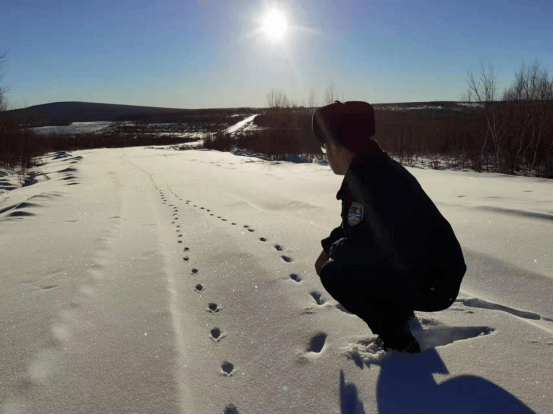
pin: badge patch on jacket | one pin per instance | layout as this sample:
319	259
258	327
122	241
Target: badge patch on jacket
355	214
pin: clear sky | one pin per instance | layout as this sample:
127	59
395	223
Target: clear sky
214	54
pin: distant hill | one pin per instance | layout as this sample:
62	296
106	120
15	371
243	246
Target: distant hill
64	113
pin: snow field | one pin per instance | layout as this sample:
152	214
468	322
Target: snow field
142	280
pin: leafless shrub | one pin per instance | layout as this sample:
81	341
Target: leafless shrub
312	98
218	141
330	94
17	145
515	134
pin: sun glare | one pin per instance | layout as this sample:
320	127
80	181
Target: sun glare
274	24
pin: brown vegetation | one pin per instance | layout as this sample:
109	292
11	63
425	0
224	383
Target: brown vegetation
17	149
512	136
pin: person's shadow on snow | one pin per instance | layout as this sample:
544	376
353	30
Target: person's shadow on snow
349	401
406	385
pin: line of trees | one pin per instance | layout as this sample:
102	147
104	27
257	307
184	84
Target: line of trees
515	128
278	99
509	132
16	144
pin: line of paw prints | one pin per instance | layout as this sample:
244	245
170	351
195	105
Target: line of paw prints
216	334
318	341
316	296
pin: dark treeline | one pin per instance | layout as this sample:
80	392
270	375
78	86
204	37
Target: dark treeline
521	141
510	133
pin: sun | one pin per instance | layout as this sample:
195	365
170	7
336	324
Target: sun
274	24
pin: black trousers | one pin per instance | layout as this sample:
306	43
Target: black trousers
377	297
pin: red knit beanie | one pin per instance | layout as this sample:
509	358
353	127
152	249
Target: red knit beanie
350	124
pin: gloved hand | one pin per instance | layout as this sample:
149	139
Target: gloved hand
335	248
323	258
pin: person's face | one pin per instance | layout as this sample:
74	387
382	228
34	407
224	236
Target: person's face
338	157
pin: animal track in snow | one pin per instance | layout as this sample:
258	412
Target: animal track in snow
279	248
213	308
199	288
186	248
194	271
185	258
295	277
317	297
263	239
317	343
286	259
228	368
217	335
231	409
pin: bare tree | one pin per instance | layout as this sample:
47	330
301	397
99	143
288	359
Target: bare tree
531	84
271	99
330	94
3	103
278	99
281	100
482	89
312	98
529	117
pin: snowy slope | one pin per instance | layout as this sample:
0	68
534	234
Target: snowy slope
75	128
148	280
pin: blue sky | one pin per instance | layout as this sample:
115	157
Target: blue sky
213	54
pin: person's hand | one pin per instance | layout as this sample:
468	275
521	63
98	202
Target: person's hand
320	262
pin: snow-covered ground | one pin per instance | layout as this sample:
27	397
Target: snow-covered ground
428	106
244	125
76	128
148	280
185	130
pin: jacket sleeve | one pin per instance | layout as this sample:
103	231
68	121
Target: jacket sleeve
335	235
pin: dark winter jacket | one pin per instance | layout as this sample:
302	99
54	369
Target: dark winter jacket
392	237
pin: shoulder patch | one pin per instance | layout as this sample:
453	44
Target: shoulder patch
355	214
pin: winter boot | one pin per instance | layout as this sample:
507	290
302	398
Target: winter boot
401	339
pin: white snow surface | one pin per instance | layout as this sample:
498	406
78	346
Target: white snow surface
102	309
75	128
242	125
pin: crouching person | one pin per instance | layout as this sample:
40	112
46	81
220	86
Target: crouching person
394	252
